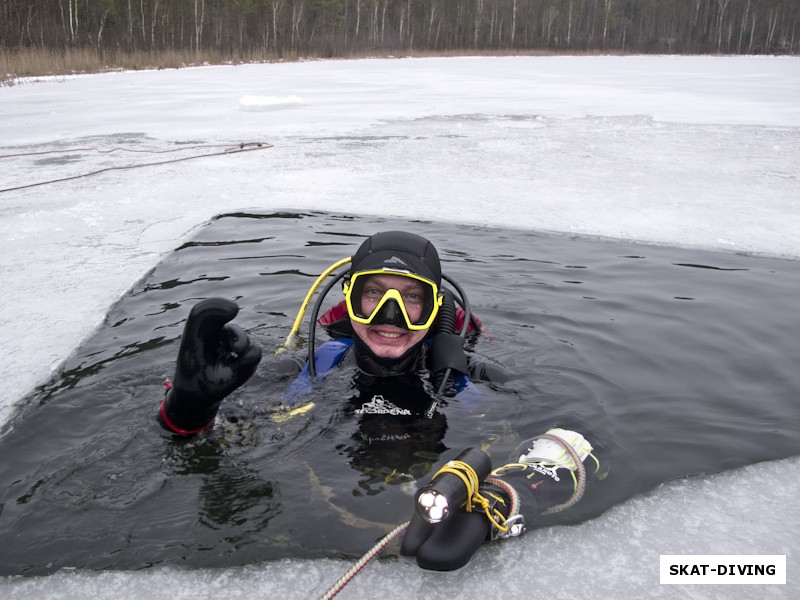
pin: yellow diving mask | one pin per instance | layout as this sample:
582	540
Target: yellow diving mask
392	296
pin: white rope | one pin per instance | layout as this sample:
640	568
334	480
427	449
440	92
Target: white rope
580	486
364	561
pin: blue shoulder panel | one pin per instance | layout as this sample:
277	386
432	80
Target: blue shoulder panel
327	356
467	393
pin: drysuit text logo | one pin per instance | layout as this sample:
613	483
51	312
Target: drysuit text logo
380	406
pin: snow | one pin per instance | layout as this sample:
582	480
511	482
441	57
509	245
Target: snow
691	151
250	102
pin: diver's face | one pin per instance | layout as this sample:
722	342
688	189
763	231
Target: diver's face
390	341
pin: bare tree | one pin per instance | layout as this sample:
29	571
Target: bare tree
337	27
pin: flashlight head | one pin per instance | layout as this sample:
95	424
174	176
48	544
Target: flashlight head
433	506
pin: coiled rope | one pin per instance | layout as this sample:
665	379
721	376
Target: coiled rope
580	485
237	149
513	497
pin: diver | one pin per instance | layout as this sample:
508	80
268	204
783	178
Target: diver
404	337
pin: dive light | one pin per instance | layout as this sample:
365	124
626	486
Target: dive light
449	490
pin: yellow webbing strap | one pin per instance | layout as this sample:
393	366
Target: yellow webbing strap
304	306
471	482
284	414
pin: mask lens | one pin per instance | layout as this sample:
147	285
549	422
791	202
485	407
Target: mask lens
370	294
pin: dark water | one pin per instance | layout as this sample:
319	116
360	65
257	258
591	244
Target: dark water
680	362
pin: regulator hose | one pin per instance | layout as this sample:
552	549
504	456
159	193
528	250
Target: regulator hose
447	325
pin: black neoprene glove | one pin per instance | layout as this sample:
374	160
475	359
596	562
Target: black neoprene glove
449	545
214	359
462	509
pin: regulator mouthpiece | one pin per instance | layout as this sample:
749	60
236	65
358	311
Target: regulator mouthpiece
453	485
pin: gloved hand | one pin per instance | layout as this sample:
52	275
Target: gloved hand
215	358
553	453
449	545
550	471
447	537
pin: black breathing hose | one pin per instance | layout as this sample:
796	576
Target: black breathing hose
447	324
312	364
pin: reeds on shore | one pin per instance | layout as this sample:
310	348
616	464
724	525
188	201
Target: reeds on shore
21	63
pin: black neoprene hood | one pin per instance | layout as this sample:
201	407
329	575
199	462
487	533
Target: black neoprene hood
398	250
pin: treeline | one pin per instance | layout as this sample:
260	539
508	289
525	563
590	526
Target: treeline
327	28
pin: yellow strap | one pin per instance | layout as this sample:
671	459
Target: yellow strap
466	474
470	479
304	306
282	415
